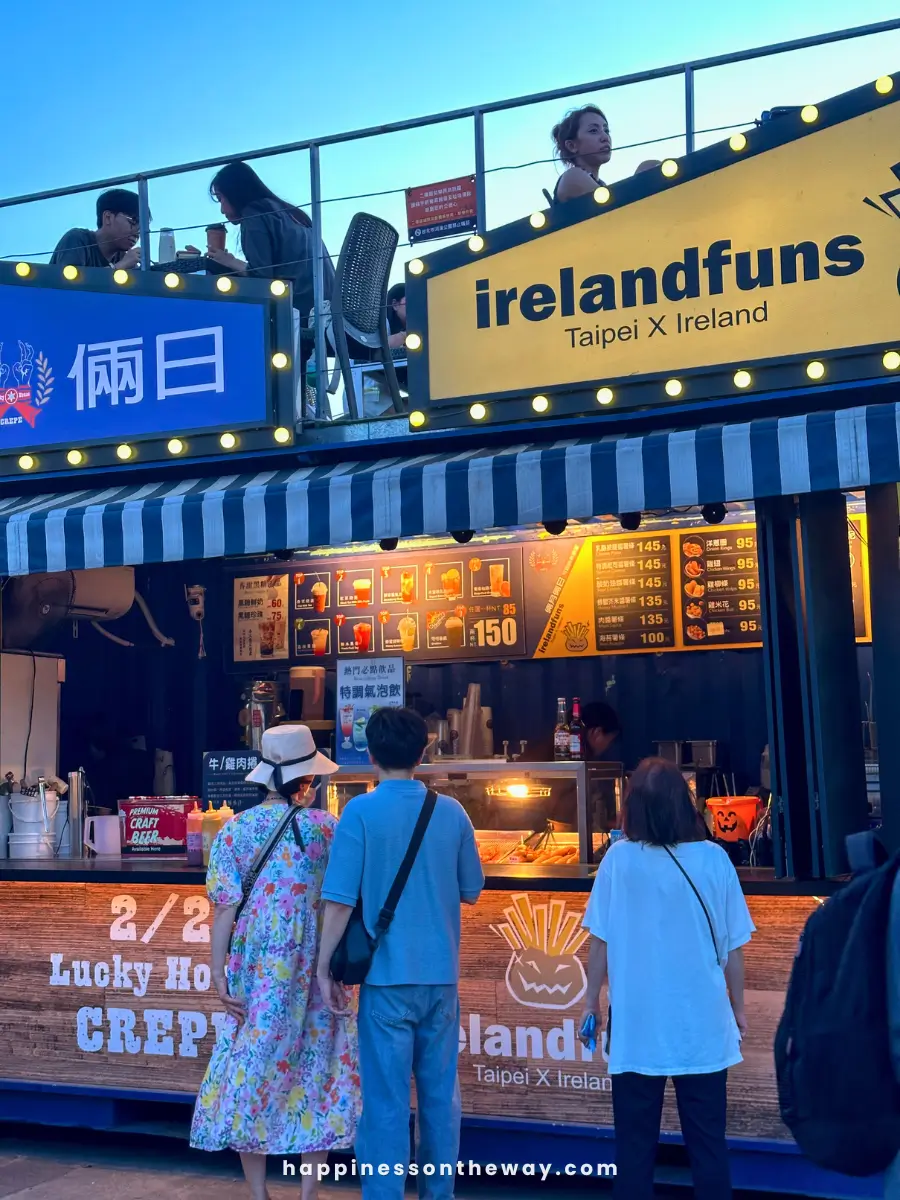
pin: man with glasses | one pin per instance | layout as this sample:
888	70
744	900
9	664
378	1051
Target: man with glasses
112	244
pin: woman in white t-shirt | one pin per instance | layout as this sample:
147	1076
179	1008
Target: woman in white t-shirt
673	960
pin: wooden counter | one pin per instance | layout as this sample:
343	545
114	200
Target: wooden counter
105	983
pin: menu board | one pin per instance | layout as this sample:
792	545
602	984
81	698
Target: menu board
437	605
260	618
224	779
718	585
363	686
632	579
542	597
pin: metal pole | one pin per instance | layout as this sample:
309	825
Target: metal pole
319	297
144	217
480	196
689	110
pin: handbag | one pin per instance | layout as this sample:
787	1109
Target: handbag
264	856
708	922
352	957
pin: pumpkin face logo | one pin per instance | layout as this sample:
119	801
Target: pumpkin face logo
544	970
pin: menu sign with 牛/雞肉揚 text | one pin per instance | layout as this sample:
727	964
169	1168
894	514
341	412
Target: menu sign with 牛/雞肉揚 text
718	585
224	779
261	607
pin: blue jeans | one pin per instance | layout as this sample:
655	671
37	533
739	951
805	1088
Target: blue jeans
409	1030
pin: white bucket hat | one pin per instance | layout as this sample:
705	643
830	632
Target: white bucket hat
288	753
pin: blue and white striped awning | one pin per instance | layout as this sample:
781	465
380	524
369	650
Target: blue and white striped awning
436	494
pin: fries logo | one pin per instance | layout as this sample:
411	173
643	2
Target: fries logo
544	970
19	401
576	635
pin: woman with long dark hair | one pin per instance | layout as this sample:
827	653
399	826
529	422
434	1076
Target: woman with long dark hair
277	241
668	919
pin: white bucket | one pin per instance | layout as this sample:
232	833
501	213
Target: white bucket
27	815
31	845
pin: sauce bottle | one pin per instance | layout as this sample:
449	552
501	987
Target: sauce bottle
226	812
210	828
195	837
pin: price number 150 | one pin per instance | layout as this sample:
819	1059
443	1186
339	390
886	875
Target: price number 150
492	631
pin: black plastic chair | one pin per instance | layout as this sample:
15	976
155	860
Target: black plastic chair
359	302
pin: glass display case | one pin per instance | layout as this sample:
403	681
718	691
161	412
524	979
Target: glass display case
524	813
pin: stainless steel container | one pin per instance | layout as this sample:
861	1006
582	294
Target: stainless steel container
75	796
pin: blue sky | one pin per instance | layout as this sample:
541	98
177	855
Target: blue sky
94	96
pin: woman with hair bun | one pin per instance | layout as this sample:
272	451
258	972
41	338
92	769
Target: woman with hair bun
583	145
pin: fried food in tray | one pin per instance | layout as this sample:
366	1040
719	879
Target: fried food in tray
693	569
694	589
692	549
694	610
696	633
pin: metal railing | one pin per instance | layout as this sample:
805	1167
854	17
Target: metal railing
687	70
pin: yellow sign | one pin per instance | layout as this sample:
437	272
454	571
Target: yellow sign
788	250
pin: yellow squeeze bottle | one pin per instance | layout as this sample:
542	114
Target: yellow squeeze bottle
210	829
226	812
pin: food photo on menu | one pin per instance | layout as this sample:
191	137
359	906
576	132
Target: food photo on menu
355	587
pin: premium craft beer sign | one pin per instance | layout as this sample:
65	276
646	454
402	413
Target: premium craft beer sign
782	249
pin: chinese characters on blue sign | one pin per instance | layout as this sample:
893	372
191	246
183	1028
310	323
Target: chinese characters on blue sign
80	366
361	688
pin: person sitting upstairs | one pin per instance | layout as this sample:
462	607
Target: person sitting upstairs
583	145
396	316
112	244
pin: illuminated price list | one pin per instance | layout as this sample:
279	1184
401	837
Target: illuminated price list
718	578
633	593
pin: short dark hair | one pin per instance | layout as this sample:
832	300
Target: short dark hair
118	200
397	738
396	293
658	808
598	715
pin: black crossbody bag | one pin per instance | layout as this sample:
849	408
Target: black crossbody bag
352	958
711	934
264	856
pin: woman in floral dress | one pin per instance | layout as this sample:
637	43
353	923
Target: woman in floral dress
283	1078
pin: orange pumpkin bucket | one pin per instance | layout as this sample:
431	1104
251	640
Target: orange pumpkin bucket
733	817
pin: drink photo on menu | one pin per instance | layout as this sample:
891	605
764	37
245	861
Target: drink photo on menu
355	587
312	637
399	585
399	632
489	577
354	635
446	630
444	581
312	591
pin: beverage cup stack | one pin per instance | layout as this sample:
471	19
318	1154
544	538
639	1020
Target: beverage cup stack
470	725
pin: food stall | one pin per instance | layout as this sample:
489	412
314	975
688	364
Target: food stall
726	585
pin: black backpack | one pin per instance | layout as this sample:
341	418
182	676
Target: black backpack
837	1088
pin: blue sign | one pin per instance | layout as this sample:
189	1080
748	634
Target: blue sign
363	686
81	366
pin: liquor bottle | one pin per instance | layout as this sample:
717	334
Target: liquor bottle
576	732
561	732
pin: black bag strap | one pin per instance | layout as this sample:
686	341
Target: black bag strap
264	855
390	905
699	897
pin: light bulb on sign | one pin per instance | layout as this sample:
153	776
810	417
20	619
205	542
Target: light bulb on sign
23	270
737	142
224	284
674	387
417	419
175	446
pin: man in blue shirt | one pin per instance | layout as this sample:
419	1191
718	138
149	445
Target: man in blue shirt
409	1005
